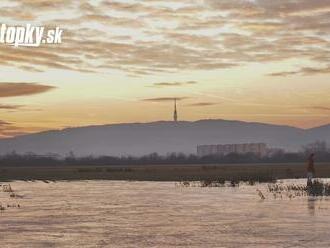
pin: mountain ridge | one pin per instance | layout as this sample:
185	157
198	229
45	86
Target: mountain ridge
161	136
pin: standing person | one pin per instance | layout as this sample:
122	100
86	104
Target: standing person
310	169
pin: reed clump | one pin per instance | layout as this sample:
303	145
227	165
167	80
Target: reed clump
14	195
316	188
15	205
7	188
203	183
2	208
232	182
210	183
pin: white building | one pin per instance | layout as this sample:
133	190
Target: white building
255	148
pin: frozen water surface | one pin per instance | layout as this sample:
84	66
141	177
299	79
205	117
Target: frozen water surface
158	214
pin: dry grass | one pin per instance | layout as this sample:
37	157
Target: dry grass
233	182
250	173
317	188
8	189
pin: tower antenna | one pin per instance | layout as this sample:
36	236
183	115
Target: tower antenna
175	116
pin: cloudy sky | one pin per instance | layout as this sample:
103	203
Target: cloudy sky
124	61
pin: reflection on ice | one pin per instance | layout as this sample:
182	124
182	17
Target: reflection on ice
159	214
311	204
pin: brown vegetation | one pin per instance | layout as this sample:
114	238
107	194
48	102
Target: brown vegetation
239	172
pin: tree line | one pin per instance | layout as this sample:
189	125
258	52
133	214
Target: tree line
322	154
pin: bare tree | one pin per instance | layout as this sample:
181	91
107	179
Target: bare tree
315	147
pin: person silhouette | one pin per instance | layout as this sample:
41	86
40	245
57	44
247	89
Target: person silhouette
310	169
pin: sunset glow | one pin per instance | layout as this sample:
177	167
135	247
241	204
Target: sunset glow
124	61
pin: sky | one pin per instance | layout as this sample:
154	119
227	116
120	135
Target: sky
124	61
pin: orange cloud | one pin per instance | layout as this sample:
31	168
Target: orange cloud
22	89
173	84
8	130
202	104
264	31
8	106
164	99
322	108
304	71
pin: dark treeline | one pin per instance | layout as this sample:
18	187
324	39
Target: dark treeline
14	159
319	148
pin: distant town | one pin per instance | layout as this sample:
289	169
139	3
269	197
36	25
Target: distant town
259	149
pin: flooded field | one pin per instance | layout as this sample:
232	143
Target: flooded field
158	214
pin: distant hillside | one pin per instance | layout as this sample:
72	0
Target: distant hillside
161	137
